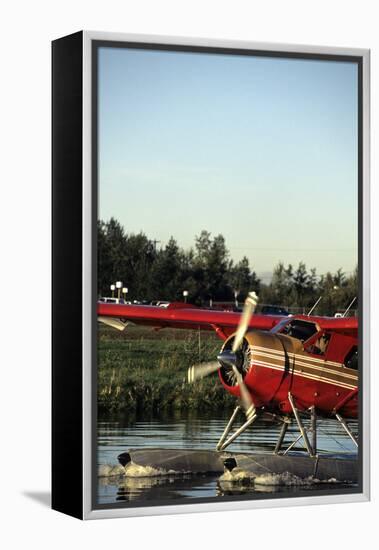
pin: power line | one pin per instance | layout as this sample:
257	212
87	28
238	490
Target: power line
292	249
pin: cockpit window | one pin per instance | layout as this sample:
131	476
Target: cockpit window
319	344
351	359
297	328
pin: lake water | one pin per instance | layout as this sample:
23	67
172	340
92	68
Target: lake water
195	431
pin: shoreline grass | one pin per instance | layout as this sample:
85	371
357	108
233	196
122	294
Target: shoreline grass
145	370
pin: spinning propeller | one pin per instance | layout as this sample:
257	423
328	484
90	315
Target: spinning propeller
228	358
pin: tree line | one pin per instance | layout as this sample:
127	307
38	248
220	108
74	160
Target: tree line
208	273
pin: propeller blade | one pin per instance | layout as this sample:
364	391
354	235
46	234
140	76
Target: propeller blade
246	399
248	310
196	372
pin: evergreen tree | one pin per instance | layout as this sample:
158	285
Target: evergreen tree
211	266
167	273
207	272
242	280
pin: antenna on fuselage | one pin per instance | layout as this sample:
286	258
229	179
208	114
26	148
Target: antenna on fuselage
314	306
349	306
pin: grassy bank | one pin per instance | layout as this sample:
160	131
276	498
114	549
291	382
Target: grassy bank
142	369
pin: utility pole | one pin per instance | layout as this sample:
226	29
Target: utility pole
155	242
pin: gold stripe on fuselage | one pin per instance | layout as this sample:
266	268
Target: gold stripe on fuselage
302	361
303	374
292	354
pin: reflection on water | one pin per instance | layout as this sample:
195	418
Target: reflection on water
194	431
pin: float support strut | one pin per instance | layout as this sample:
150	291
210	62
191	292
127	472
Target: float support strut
282	435
300	425
346	428
227	428
237	432
314	429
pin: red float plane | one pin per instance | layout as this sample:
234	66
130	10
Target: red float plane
276	366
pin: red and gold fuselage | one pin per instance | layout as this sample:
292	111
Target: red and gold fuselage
278	364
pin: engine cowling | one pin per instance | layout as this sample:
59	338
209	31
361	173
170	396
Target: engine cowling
265	361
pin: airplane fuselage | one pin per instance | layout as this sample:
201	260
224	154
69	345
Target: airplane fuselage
276	364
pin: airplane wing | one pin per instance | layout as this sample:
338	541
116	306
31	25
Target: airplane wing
182	316
343	325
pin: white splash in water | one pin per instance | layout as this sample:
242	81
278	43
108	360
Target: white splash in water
110	470
287	479
272	479
136	470
236	475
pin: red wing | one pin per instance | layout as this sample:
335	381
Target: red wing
187	317
343	325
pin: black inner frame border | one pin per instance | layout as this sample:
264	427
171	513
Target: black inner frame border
179	48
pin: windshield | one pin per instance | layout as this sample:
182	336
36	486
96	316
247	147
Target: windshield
297	328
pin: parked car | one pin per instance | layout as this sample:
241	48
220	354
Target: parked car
107	300
274	310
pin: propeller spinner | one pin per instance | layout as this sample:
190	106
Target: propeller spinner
228	358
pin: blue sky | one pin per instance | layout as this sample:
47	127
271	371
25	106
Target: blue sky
262	150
